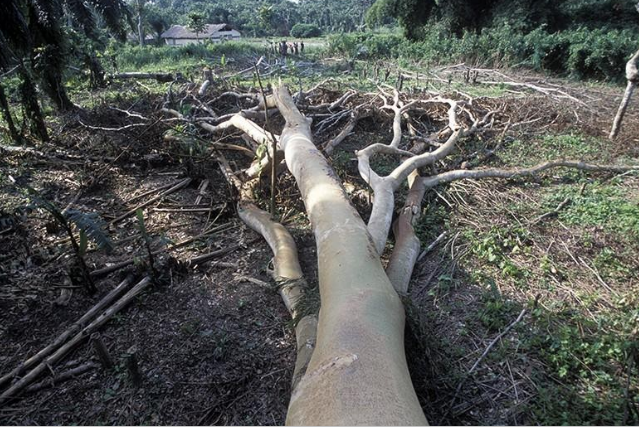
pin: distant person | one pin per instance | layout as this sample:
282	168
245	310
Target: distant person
302	47
295	48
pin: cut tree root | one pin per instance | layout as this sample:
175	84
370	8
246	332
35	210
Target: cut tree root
62	351
79	325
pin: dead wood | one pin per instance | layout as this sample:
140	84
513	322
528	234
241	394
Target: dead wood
102	351
110	269
171	190
75	327
160	77
64	376
50	361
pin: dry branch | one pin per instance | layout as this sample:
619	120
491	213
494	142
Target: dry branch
289	278
171	190
65	376
73	329
61	352
160	77
110	269
455	175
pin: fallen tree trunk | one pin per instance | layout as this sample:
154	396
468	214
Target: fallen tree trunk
160	77
358	372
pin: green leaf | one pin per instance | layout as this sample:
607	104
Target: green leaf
141	224
92	225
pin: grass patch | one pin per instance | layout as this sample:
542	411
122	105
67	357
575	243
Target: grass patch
171	59
528	152
609	206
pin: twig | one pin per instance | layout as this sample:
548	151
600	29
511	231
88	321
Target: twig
110	269
65	376
148	193
173	189
431	246
493	342
133	125
552	212
596	273
484	354
273	143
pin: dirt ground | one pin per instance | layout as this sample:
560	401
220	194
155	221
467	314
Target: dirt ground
213	348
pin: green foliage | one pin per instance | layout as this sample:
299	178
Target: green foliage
91	226
497	312
305	31
581	53
592	354
274	17
197	24
606	206
496	245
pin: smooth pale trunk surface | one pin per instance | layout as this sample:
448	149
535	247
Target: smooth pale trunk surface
357	374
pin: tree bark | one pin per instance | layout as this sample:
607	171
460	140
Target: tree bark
141	22
32	112
96	71
632	75
358	372
6	114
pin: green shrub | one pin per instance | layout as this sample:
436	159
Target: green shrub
305	31
582	52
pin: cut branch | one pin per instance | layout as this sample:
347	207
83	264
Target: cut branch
289	278
632	75
455	175
160	77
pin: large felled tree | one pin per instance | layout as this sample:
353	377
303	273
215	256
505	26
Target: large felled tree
351	366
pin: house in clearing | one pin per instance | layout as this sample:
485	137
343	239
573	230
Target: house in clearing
179	35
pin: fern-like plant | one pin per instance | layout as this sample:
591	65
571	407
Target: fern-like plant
89	225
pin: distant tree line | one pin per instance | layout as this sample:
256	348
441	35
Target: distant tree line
259	17
523	15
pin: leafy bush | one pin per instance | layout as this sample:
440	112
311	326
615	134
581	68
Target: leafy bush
305	31
582	52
